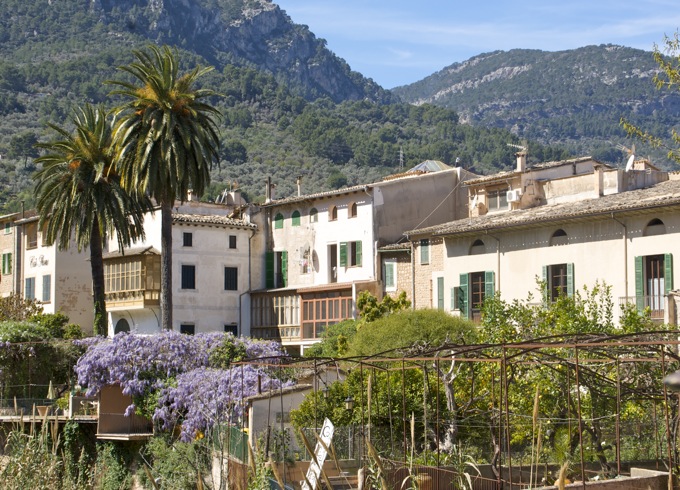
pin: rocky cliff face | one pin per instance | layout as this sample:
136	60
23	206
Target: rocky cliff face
253	32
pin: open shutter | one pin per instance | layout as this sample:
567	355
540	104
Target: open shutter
343	254
489	284
454	298
440	293
463	300
639	284
546	283
358	257
269	269
284	268
570	280
668	272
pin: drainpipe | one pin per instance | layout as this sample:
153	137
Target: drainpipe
625	253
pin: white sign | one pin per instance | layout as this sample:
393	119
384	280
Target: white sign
320	452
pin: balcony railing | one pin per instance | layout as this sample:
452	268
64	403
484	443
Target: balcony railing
118	426
281	333
655	304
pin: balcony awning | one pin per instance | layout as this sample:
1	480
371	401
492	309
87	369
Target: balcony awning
131	252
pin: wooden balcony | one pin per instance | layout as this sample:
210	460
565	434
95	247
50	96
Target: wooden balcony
133	280
113	424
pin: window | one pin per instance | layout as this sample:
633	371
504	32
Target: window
440	293
322	309
47	288
231	328
232	241
122	325
559	238
188	277
7	263
332	213
350	254
278	221
352	210
474	288
276	269
390	275
305	255
187	328
188	239
497	200
313	215
8	228
653	281
32	235
424	251
477	248
29	289
558	280
655	227
295	218
230	279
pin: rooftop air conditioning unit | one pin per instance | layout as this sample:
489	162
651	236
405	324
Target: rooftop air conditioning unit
514	195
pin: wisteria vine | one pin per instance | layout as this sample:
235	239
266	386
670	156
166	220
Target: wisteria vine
177	369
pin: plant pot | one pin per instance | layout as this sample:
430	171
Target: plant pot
43	410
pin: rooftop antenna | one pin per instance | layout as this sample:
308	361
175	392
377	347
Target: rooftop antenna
523	147
401	158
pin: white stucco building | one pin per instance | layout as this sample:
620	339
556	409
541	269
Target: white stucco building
322	249
211	271
567	224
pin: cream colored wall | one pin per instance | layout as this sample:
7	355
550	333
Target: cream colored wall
599	251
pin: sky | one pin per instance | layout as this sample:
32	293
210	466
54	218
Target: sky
398	42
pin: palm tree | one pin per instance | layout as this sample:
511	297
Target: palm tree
79	196
166	139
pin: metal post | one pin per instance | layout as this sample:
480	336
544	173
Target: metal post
618	417
580	420
507	415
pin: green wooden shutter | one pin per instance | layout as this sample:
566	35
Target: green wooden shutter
359	255
284	268
454	302
389	274
278	221
489	284
343	254
639	283
425	251
440	293
269	270
668	272
463	300
546	284
295	218
570	280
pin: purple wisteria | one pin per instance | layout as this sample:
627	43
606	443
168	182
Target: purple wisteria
176	368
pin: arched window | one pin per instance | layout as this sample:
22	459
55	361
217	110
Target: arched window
278	221
332	213
559	237
352	210
477	248
313	215
295	218
655	227
122	325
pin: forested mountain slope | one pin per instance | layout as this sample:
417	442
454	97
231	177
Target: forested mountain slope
573	98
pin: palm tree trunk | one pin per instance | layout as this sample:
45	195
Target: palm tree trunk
166	266
97	266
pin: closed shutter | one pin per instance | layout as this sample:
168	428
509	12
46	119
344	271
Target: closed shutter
343	254
425	251
463	299
489	284
358	257
389	275
269	269
639	283
454	298
570	280
284	268
546	284
668	272
440	293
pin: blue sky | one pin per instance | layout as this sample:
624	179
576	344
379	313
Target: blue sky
397	42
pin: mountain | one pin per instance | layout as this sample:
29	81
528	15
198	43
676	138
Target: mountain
253	33
572	98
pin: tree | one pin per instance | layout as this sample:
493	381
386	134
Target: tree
166	139
669	77
79	196
23	146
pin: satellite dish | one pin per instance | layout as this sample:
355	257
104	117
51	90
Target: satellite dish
629	164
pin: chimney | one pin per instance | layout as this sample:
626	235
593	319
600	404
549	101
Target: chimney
190	195
268	190
298	181
598	172
521	161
